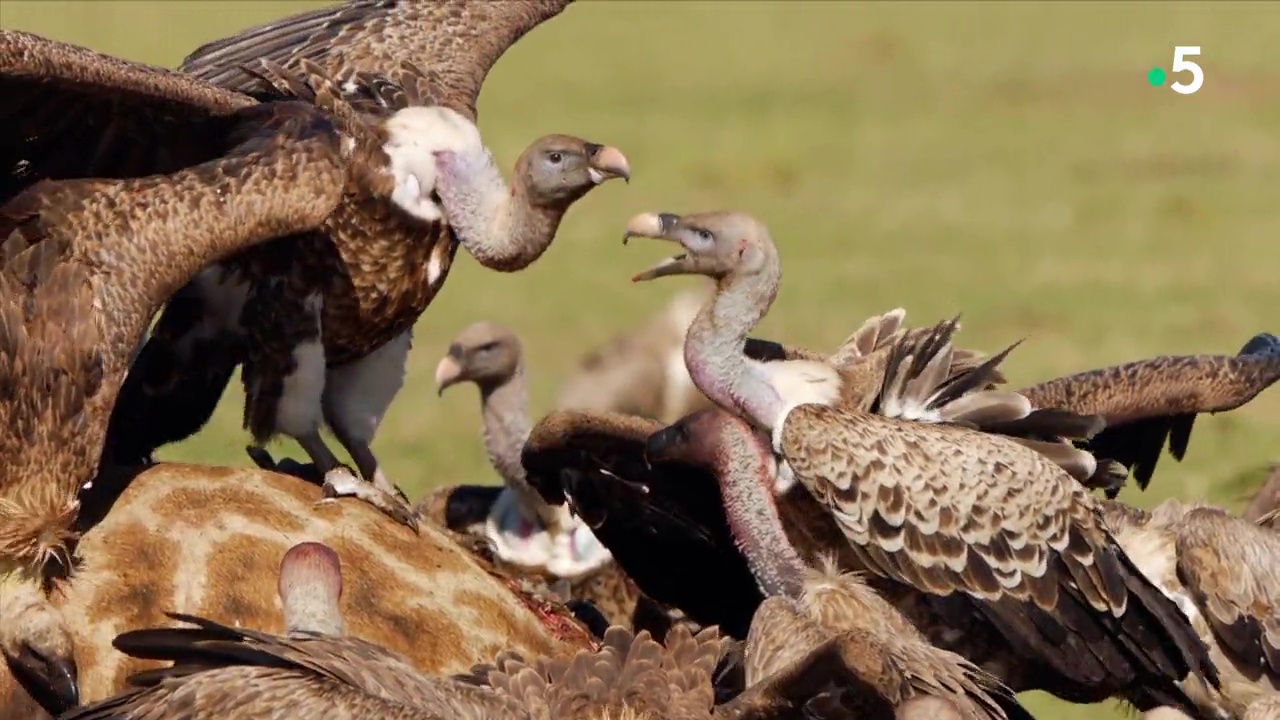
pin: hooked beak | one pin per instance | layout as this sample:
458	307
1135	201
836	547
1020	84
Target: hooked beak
662	226
656	447
607	162
448	372
50	681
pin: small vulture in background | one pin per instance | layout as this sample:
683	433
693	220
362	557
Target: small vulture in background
1224	572
525	531
85	264
1149	403
929	503
1264	508
642	371
321	320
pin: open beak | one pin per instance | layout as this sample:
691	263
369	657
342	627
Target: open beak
607	162
661	226
448	372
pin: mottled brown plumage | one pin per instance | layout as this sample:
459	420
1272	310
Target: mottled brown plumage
321	319
85	264
1150	402
887	661
1224	572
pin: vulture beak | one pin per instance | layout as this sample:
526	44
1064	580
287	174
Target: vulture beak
607	162
448	372
664	226
50	681
656	447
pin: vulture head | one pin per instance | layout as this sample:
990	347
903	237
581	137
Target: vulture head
742	461
714	440
557	170
722	245
484	353
37	647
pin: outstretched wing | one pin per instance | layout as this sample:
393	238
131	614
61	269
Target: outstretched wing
69	112
51	374
454	42
1232	568
1152	402
144	238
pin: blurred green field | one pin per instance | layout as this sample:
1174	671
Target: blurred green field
1007	160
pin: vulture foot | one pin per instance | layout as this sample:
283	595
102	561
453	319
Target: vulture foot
288	466
342	482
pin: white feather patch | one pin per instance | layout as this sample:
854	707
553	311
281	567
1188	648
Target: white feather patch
414	134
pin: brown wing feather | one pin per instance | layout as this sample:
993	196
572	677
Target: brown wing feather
51	373
1150	402
71	112
455	41
343	663
945	509
1232	568
145	237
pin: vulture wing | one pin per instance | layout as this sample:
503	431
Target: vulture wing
51	371
945	509
1152	402
1232	569
70	112
343	661
456	42
142	238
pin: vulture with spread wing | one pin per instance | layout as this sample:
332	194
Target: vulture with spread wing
321	319
930	504
86	263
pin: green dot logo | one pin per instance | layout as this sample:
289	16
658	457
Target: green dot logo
1156	77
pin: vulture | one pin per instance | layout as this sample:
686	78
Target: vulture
929	503
746	286
525	531
1149	403
1224	572
641	372
320	319
86	263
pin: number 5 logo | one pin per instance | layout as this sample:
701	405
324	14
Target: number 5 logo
1180	63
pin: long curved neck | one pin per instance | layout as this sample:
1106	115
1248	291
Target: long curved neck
745	475
714	348
501	227
504	411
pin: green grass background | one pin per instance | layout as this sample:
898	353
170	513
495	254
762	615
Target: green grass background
1007	160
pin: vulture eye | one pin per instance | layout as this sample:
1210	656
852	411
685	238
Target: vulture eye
704	235
487	347
555	158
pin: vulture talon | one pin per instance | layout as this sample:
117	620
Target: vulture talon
342	482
